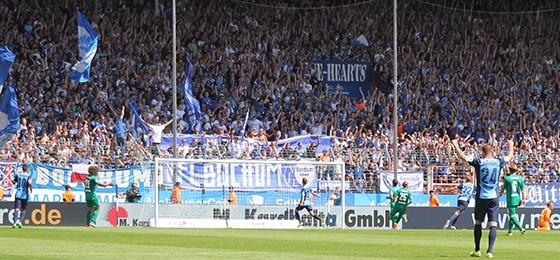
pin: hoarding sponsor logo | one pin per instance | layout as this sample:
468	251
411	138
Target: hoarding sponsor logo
123	219
290	214
39	216
255	200
377	219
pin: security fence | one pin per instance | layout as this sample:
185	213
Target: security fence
363	160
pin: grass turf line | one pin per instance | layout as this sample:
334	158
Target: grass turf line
149	243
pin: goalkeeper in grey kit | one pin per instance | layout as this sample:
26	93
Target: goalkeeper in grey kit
305	203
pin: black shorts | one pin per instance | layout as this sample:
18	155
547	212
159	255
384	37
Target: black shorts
462	205
155	148
308	208
488	207
20	204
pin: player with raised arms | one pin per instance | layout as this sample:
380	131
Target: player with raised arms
487	172
305	203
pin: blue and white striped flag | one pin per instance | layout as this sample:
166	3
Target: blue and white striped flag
193	112
6	60
87	41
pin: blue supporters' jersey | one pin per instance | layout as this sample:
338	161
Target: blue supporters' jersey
119	127
305	196
488	177
22	190
467	190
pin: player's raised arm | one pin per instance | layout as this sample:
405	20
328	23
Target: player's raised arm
458	150
105	184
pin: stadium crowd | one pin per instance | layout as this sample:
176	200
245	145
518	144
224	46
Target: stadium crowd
480	75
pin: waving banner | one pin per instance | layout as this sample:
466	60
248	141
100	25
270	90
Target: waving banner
346	77
244	176
415	180
7	58
322	142
7	171
87	41
538	194
49	182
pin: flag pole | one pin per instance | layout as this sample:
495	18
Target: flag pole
395	91
174	77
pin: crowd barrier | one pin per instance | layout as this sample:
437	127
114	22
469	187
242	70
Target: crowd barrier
434	218
253	216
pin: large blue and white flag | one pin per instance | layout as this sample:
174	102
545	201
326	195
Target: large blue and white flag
6	60
194	115
9	112
87	42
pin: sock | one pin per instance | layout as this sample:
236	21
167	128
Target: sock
88	218
492	238
477	236
453	219
94	216
22	215
397	218
16	213
316	217
297	217
515	221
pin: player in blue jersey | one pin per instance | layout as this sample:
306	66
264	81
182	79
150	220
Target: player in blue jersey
305	203
23	188
466	190
487	172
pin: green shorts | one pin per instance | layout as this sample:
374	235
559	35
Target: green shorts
94	202
512	210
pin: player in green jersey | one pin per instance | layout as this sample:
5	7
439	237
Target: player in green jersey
91	183
403	199
514	187
393	192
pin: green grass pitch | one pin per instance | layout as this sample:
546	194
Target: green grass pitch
150	243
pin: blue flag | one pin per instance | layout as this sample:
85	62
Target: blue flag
137	118
87	41
194	115
9	112
6	60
